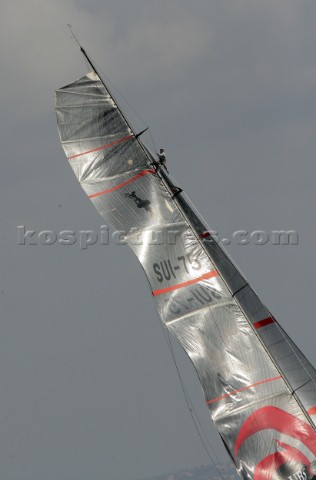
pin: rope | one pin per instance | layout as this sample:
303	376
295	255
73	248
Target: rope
194	416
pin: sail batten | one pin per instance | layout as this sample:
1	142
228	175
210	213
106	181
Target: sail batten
250	370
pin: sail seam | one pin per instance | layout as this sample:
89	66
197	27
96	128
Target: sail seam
108	145
101	95
87	105
208	307
165	226
120	185
78	140
252	404
205	276
209	402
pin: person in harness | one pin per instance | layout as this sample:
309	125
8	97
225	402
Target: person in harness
163	163
162	159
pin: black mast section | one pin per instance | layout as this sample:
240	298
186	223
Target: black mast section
136	135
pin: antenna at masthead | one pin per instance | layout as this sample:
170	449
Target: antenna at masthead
136	135
82	49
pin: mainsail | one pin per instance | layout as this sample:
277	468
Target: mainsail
258	386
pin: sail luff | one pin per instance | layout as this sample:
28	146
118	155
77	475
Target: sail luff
240	355
255	331
210	237
107	88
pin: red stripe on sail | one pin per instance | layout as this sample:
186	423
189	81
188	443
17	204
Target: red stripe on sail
108	145
312	411
205	276
268	467
264	322
274	418
242	389
120	185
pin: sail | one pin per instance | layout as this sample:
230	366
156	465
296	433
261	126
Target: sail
258	386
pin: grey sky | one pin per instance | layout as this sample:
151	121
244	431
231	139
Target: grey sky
88	389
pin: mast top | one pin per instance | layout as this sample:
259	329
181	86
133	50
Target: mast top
73	35
136	135
82	50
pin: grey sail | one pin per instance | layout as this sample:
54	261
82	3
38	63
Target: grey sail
258	386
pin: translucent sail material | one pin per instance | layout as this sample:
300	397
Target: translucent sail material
259	388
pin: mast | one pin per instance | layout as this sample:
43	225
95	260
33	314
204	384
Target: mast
88	59
258	386
107	88
233	293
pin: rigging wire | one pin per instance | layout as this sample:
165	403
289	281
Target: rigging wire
113	87
73	35
283	334
193	414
